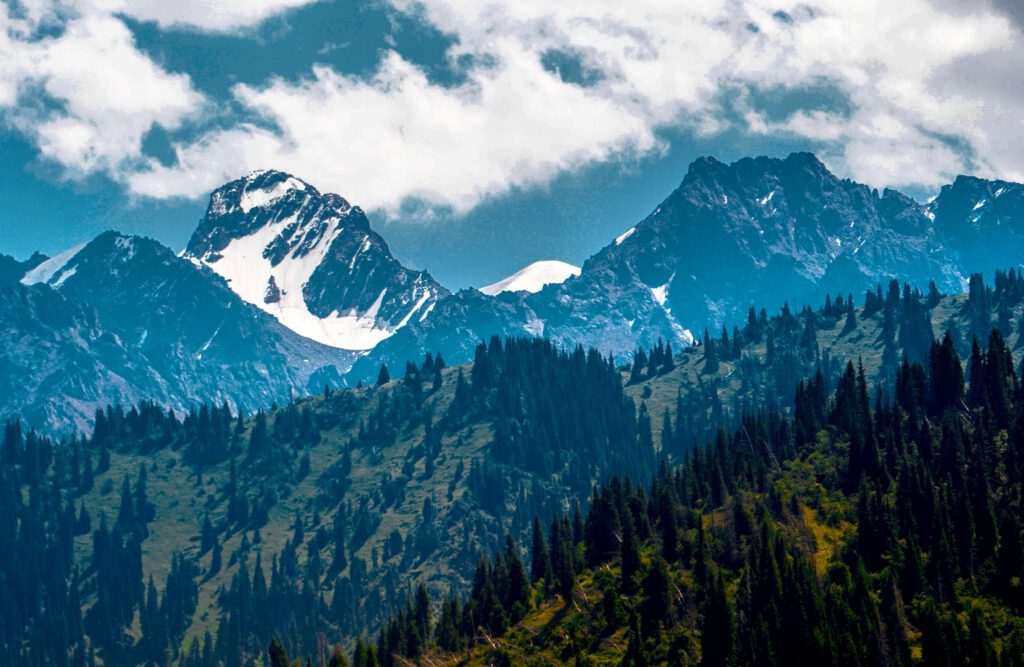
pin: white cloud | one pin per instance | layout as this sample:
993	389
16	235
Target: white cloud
224	15
112	95
102	95
400	135
923	101
895	62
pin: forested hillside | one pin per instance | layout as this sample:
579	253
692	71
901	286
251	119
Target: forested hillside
852	532
195	539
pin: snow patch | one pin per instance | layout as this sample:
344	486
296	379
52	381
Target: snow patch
242	264
51	267
262	196
371	312
979	205
362	248
622	237
125	245
660	293
64	275
419	304
534	277
685	334
535	327
766	199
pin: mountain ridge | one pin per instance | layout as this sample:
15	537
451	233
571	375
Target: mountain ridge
360	495
757	231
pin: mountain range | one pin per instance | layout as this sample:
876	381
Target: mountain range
759	231
283	289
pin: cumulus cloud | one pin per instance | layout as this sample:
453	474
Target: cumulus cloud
84	92
111	94
930	90
895	62
218	16
399	135
73	79
690	65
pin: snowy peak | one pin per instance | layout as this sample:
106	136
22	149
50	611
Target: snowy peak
264	188
534	277
310	260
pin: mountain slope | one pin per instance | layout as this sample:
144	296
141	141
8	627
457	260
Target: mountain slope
187	337
980	221
840	536
310	260
58	363
762	231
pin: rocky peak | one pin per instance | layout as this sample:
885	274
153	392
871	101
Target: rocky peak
13	270
981	219
309	259
268	198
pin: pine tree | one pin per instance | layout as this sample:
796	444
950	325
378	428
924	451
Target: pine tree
655	603
438	380
277	655
716	636
540	558
629	556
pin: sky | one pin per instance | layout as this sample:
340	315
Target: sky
481	136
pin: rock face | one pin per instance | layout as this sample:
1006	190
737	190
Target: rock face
760	231
58	364
981	221
143	324
12	271
310	260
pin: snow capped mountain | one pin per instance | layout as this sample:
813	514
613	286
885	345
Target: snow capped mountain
310	260
534	277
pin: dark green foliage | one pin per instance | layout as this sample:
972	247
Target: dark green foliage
556	412
923	469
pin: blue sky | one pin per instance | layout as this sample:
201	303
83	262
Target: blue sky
481	137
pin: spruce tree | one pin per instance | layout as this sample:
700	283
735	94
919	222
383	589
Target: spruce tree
540	557
383	377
